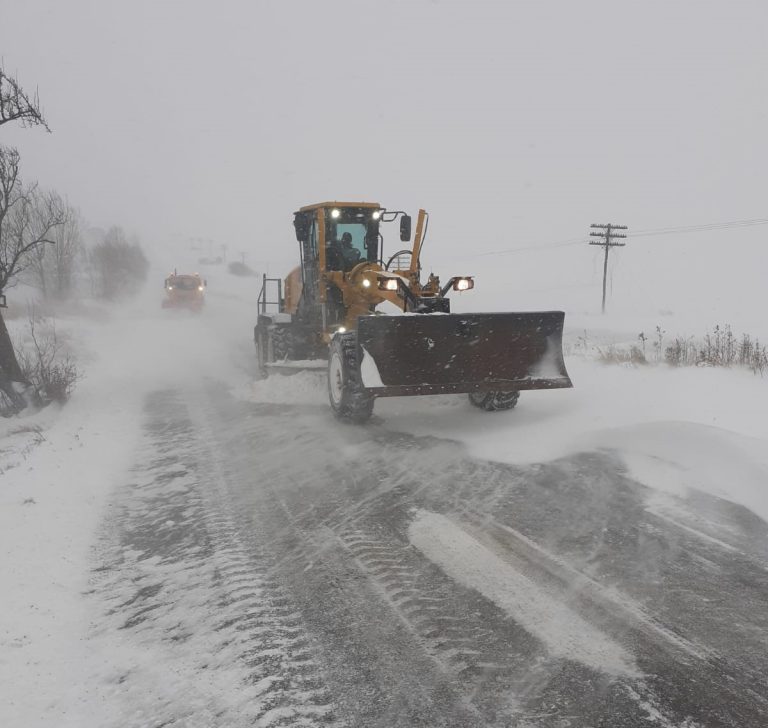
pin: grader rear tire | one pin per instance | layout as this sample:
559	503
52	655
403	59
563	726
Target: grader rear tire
494	401
282	343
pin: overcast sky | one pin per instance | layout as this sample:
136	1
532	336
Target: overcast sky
514	123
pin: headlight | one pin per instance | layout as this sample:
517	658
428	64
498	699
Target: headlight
463	284
376	214
365	283
170	288
389	284
341	330
335	213
199	288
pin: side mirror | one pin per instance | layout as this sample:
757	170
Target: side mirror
301	223
405	228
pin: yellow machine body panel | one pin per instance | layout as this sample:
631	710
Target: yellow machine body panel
293	289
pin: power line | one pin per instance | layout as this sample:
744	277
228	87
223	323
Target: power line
673	230
545	246
700	228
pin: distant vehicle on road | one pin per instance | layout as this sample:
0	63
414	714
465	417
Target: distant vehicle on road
184	290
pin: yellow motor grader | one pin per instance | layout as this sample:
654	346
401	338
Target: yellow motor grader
326	309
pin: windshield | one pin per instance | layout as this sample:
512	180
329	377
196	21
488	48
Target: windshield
351	238
184	284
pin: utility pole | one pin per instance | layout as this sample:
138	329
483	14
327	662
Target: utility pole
608	237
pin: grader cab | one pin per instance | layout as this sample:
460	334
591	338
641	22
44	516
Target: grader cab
327	309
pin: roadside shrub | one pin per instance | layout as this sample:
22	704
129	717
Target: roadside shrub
50	371
753	355
617	355
718	348
682	353
721	348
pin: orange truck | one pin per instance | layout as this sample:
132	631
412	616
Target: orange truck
184	290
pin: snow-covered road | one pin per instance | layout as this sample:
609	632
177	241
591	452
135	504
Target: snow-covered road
269	566
232	555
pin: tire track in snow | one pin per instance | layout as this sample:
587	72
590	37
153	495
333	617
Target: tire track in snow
498	665
211	637
582	589
565	634
382	675
623	618
327	494
275	644
499	670
450	641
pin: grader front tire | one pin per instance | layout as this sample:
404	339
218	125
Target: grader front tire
349	400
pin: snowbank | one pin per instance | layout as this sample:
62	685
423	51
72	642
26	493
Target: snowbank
676	429
53	490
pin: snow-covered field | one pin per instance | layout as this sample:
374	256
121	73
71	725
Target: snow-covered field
675	429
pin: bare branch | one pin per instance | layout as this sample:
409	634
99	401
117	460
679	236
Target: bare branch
52	268
17	105
29	218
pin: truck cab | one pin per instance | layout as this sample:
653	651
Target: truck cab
184	290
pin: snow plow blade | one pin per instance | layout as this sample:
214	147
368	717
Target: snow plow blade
443	353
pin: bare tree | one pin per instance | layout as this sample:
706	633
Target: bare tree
119	265
28	219
66	251
17	105
18	234
31	221
52	267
